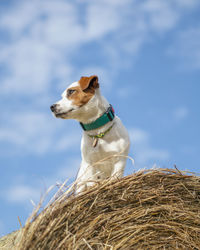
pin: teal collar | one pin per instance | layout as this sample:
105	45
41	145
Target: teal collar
101	121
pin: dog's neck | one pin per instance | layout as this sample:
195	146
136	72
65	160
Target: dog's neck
93	109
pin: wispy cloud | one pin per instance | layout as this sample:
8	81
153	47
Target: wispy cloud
162	16
45	41
44	38
65	141
22	194
187	47
143	152
180	113
28	131
35	133
69	169
186	3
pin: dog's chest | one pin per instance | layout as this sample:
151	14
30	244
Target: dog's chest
104	149
93	154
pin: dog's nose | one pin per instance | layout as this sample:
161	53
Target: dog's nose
53	107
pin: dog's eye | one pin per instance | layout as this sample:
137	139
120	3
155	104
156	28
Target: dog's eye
70	92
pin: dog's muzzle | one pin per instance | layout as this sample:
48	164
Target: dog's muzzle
58	112
53	107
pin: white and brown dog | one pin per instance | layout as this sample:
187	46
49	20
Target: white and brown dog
105	142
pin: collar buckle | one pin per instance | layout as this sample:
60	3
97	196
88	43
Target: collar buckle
110	113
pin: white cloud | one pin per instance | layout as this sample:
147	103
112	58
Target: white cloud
161	15
45	40
45	37
180	113
21	194
25	193
34	55
143	151
26	61
187	3
109	16
139	136
127	92
109	2
26	12
28	131
69	169
68	141
41	34
36	133
187	47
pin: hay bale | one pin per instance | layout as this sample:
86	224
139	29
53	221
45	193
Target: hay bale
9	241
151	209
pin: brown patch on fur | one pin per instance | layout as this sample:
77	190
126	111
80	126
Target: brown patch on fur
80	97
89	83
84	92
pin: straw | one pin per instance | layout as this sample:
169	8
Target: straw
150	209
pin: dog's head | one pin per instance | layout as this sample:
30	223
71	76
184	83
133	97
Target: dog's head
76	96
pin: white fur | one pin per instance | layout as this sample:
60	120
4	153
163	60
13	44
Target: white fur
65	104
109	157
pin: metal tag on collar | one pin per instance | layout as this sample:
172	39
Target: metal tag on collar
95	142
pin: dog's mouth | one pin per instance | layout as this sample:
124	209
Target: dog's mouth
63	114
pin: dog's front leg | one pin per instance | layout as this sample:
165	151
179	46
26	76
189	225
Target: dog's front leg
80	179
118	168
84	177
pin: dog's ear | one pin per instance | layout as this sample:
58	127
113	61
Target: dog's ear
89	83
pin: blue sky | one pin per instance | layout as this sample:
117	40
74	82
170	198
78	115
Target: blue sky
147	57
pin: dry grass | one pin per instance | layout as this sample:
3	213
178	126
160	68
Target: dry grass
9	241
151	209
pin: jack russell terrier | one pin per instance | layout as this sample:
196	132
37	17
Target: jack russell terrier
105	142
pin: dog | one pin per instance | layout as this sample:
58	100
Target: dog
105	141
